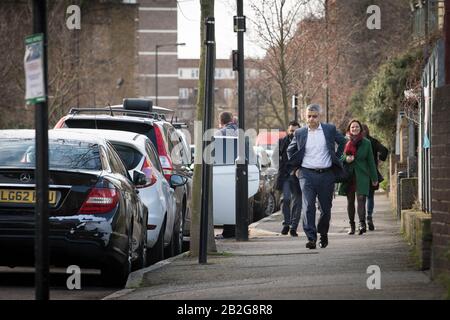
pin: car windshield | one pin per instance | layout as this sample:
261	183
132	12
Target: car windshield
63	154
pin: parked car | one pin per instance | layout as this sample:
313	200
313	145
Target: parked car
269	139
139	116
176	159
267	200
97	220
139	155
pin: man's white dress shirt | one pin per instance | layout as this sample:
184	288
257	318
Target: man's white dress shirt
317	155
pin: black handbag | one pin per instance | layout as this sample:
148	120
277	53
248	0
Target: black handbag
343	174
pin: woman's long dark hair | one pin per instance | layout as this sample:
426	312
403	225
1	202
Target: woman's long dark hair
350	123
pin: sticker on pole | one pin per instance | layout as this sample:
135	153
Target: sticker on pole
34	69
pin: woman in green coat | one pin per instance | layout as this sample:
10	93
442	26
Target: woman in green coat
358	158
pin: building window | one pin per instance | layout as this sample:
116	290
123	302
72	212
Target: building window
228	93
183	93
188	73
224	73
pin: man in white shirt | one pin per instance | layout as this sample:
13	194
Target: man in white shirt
314	147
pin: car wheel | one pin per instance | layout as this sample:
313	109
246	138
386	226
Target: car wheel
178	237
156	253
117	274
141	261
169	251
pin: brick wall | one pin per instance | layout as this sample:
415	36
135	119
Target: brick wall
440	171
108	39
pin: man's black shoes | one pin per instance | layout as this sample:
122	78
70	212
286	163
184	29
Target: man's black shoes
285	230
323	243
311	244
293	233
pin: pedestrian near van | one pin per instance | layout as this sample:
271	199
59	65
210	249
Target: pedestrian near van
227	127
288	183
380	153
314	148
363	174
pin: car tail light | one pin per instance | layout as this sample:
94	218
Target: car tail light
166	163
100	200
147	169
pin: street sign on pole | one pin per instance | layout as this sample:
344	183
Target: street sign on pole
34	69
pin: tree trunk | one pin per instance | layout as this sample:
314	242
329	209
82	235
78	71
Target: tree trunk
207	10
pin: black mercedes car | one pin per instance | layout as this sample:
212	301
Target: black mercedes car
96	217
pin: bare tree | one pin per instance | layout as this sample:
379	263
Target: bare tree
84	66
275	24
15	17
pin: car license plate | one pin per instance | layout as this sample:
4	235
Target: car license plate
23	196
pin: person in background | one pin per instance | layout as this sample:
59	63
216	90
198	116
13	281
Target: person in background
227	127
288	183
380	152
358	155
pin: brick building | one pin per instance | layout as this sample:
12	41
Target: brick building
225	88
157	39
427	223
440	186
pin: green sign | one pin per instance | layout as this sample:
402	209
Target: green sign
34	69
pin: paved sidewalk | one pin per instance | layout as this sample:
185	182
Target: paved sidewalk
273	266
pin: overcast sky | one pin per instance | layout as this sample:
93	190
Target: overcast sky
226	39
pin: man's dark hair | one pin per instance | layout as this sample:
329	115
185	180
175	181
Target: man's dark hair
225	117
293	123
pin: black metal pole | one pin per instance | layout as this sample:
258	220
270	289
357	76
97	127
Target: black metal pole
207	124
241	161
41	173
156	74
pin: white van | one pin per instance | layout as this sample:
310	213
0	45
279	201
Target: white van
224	179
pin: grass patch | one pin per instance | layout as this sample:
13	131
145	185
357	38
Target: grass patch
221	254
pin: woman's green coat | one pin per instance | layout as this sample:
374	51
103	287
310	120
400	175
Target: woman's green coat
364	168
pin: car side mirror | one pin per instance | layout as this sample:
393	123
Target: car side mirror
177	181
139	178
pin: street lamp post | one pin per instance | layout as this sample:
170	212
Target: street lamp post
156	64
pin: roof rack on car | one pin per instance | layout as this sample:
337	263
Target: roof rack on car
179	125
118	110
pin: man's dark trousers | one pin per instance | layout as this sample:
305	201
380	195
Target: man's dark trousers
316	185
292	195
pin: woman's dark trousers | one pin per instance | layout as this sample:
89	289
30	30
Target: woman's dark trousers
361	207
